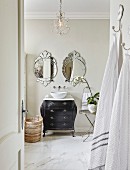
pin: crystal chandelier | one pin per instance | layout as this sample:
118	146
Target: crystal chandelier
60	25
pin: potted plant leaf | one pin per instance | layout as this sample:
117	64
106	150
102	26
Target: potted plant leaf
92	102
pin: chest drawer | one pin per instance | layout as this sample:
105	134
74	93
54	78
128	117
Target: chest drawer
58	115
59	118
59	125
59	104
57	111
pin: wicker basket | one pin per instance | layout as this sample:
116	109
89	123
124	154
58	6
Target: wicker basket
33	127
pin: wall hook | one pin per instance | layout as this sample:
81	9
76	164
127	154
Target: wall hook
120	15
123	45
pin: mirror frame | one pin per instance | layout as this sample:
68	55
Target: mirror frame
71	57
43	56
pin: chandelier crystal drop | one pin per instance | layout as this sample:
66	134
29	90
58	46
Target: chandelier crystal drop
61	24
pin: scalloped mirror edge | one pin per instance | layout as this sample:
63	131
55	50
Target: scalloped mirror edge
45	68
70	65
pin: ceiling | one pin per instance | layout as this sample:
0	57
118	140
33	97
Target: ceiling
73	8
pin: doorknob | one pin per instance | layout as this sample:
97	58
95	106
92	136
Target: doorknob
23	111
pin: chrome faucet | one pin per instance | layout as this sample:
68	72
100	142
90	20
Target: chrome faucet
59	87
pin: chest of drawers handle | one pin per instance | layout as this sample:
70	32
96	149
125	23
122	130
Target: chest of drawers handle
51	110
51	117
52	124
65	117
64	124
64	110
64	103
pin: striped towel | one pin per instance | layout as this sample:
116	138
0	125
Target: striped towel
118	151
84	100
104	110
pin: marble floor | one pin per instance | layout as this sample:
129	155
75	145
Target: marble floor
58	151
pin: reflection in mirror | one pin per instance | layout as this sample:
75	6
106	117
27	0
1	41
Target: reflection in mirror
45	68
73	66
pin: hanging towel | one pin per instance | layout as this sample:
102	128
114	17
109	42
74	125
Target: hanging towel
104	110
118	150
84	100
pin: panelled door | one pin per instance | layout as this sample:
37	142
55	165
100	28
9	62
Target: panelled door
11	86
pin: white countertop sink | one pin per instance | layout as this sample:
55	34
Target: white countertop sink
59	94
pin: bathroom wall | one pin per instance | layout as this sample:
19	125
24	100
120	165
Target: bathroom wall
89	37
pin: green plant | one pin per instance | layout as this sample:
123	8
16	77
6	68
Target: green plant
93	99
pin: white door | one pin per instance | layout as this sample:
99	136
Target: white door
11	88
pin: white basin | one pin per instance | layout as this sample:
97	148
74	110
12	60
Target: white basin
59	94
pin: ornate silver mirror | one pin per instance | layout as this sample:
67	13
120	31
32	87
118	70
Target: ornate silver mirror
73	66
45	68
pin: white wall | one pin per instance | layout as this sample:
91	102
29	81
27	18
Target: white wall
89	37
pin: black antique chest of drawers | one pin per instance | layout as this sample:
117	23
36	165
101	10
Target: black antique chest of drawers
58	115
